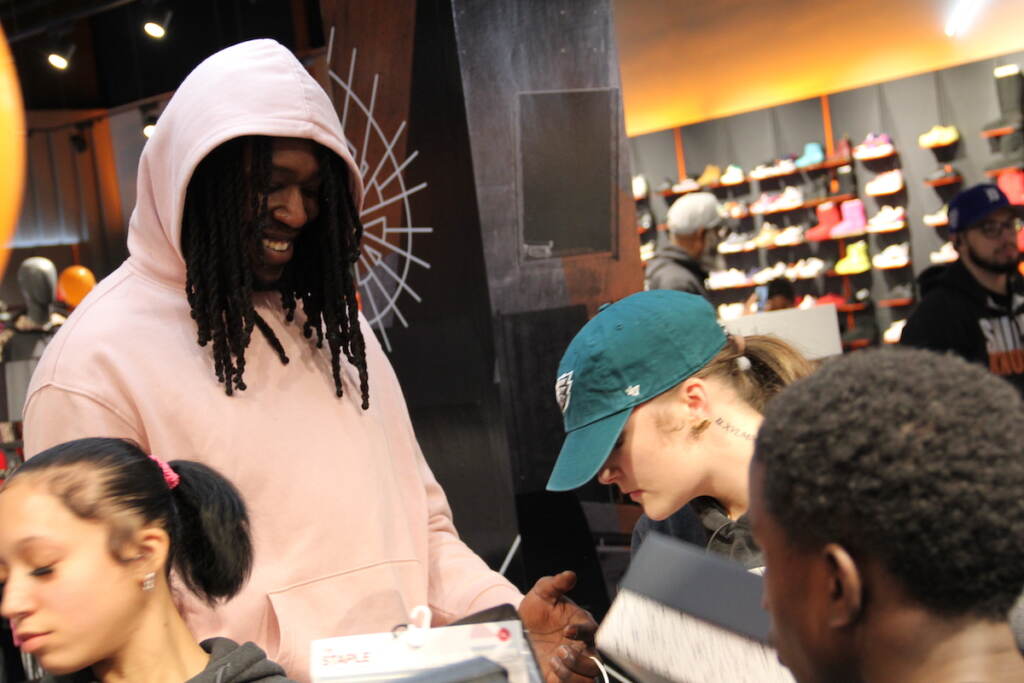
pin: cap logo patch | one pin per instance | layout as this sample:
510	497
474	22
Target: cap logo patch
633	390
993	194
563	391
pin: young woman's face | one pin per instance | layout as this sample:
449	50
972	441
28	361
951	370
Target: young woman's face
69	601
655	461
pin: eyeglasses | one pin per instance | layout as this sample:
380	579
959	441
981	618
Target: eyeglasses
993	229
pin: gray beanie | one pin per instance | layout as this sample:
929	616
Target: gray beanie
691	212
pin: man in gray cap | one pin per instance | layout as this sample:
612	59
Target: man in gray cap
676	265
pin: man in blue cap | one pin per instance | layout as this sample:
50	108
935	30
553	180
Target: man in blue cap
975	306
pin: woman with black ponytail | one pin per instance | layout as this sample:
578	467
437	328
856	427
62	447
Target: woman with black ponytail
90	532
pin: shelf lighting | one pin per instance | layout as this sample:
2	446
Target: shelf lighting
963	14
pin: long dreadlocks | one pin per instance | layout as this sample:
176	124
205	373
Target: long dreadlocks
225	211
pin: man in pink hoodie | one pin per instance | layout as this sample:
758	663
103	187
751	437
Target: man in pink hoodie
243	239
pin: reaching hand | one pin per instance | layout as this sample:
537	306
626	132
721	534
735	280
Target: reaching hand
561	632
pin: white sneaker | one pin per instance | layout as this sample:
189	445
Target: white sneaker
888	219
812	268
790	237
730	311
938	218
807	302
733	175
893	333
945	254
792	198
889	182
893	256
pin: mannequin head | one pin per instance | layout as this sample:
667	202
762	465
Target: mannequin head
37	278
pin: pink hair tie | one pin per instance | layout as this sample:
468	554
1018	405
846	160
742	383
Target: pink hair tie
170	476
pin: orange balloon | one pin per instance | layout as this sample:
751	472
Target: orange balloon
12	149
74	283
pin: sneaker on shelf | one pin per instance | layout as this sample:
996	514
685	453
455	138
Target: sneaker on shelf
943	172
766	238
685	185
735	243
793	270
790	237
806	302
893	333
792	198
710	176
646	251
784	167
844	149
945	254
937	219
856	260
893	256
888	219
874	147
639	188
735	209
766	275
722	279
834	299
889	182
854	222
762	171
903	291
764	203
731	311
938	136
733	175
813	154
812	267
828	217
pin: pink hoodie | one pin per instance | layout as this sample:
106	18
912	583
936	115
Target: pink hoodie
351	529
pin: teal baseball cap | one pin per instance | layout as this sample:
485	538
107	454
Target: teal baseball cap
630	352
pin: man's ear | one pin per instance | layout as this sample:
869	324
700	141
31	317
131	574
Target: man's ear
846	586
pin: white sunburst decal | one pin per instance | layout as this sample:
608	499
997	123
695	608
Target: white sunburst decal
387	250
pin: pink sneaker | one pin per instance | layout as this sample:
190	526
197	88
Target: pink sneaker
854	221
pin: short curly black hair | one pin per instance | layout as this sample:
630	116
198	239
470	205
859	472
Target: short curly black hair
912	458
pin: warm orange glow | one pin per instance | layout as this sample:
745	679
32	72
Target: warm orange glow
12	149
706	60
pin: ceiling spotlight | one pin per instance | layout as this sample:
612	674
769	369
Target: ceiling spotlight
149	126
156	20
61	50
962	16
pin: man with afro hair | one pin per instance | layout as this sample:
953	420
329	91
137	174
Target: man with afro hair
886	494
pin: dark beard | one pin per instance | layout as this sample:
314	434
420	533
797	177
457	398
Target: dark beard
992	266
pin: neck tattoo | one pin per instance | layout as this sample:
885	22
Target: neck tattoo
733	429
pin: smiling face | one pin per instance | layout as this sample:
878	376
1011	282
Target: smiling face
69	601
292	203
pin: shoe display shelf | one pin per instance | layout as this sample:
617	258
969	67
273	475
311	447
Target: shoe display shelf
823	166
896	303
856	344
809	204
998	132
994	172
942	182
851	308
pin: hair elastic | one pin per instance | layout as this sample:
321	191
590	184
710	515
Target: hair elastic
170	476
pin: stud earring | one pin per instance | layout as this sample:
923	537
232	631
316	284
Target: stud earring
149	581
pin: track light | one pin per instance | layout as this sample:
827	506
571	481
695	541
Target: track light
149	126
61	50
963	14
157	18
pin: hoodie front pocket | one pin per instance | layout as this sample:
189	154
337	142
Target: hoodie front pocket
370	599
